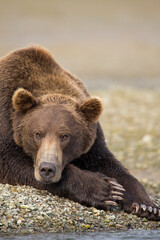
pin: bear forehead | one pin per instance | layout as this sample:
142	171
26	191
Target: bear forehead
53	115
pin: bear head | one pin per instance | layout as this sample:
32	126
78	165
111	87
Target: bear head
53	130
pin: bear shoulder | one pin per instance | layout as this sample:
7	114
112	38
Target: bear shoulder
34	68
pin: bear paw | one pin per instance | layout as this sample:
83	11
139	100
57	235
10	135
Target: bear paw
143	210
106	193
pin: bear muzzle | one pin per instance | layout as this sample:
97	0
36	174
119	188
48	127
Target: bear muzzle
47	171
48	162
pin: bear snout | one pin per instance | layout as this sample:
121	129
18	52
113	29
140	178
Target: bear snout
47	171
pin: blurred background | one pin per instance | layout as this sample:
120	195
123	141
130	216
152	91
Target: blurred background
114	47
115	41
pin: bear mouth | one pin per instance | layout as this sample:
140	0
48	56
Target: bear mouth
47	182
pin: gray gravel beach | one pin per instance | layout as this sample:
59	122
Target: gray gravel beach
27	210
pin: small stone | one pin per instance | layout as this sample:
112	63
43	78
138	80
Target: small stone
112	217
87	226
145	220
19	221
40	218
26	207
118	226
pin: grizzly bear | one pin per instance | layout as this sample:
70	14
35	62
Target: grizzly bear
50	137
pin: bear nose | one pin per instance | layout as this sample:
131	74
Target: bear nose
47	171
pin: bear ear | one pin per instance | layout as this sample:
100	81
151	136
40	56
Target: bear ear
92	109
23	100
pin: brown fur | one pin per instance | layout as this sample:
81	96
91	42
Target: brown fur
50	137
90	107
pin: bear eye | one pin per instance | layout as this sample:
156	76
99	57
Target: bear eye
64	137
38	135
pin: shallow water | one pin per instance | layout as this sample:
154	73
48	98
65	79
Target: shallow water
130	234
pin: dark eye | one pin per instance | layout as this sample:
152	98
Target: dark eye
38	135
64	137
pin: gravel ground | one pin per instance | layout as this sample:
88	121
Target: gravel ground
132	131
27	210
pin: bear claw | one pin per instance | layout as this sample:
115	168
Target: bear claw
116	184
143	206
155	210
149	212
111	203
119	188
117	198
118	193
150	209
137	207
